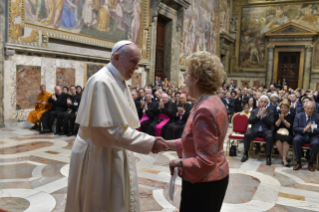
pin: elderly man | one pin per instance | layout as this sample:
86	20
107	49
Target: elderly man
306	131
229	103
102	173
165	111
69	116
147	113
41	106
262	121
175	129
59	104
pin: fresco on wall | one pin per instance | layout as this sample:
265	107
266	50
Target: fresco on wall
224	15
256	21
65	77
267	1
28	86
200	28
111	20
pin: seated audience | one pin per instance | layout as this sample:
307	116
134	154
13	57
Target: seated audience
65	90
69	116
237	101
306	131
262	121
229	104
303	100
283	130
175	129
165	113
246	110
138	103
59	104
252	103
273	101
79	90
41	106
148	113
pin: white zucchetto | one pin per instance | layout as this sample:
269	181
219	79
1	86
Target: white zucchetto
120	44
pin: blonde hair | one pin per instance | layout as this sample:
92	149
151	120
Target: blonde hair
208	68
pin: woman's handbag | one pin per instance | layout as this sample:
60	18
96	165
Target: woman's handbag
232	150
283	131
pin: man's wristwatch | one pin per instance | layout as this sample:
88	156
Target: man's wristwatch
181	163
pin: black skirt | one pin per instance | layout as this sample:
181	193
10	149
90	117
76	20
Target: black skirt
282	138
203	197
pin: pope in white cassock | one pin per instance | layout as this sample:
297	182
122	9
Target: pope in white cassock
102	175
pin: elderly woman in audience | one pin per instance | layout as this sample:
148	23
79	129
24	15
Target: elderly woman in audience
237	101
283	130
273	101
202	164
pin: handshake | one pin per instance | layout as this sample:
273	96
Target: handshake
160	145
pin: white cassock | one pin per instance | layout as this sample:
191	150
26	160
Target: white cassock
102	175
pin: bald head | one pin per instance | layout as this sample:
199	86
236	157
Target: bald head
126	60
164	98
57	90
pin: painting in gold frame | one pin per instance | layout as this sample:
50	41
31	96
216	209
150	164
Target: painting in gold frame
269	1
102	20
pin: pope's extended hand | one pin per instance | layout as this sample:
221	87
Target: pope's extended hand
159	145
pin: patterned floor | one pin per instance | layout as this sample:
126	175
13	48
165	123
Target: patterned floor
34	170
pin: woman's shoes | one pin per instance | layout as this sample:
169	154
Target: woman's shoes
287	165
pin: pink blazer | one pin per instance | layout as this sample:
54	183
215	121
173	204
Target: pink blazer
201	145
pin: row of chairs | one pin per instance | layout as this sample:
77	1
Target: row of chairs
240	126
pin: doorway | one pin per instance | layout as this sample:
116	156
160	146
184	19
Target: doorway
288	68
160	48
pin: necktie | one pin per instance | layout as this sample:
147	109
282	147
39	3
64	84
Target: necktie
260	129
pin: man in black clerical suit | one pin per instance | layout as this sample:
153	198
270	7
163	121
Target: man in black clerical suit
306	131
165	112
149	111
262	121
73	102
59	104
138	105
175	129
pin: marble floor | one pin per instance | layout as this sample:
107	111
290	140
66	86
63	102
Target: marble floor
34	172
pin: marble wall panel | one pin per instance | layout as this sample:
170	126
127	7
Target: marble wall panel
136	80
48	76
65	77
28	81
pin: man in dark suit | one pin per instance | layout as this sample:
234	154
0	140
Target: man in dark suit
229	104
262	121
306	131
59	104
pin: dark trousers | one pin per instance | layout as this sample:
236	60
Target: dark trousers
251	134
203	197
65	117
300	140
48	119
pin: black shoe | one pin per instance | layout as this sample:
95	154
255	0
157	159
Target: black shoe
45	131
244	158
268	161
69	134
61	133
287	165
257	150
57	133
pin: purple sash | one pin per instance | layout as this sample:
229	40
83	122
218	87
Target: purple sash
144	118
158	128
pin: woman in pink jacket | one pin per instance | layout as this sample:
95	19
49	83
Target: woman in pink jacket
203	165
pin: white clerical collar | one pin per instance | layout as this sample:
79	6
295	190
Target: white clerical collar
115	72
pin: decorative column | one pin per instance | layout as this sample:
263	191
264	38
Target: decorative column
307	70
2	39
270	64
153	34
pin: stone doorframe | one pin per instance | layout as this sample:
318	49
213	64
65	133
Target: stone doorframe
290	37
174	11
